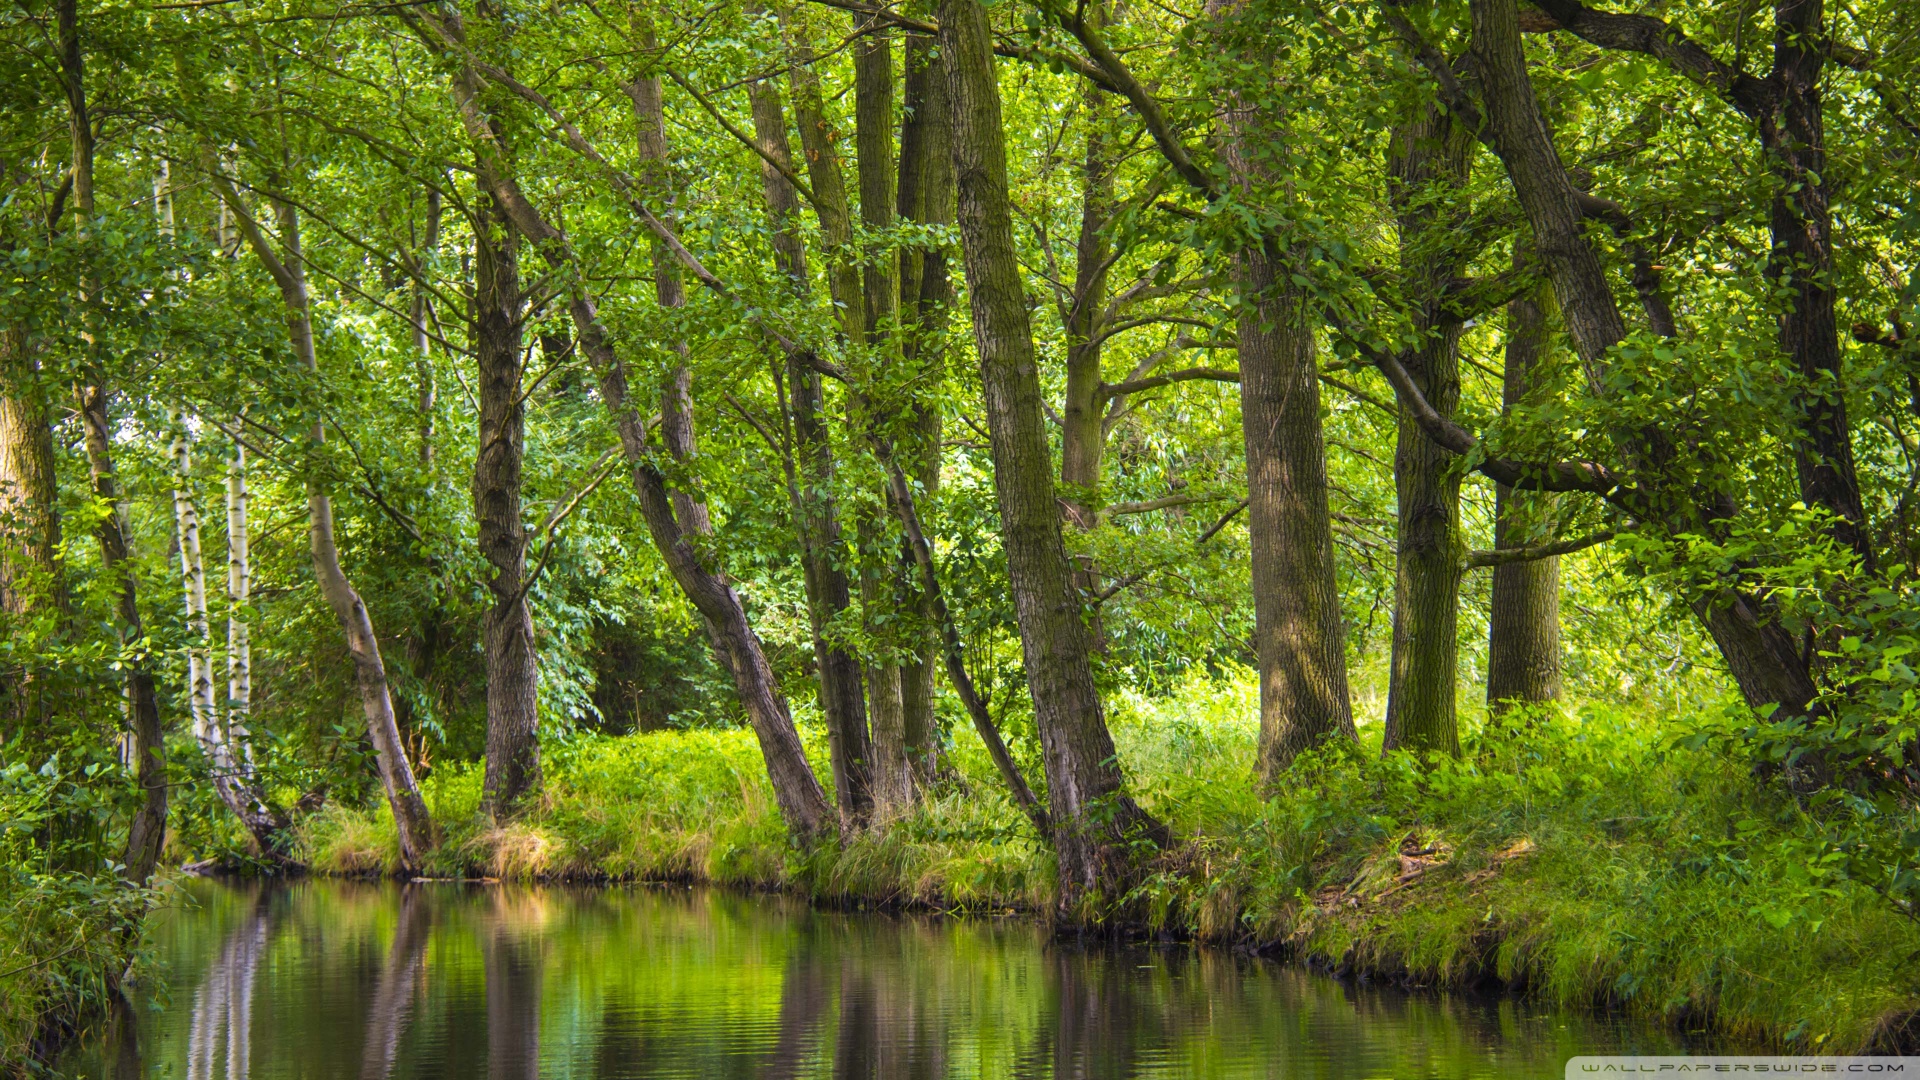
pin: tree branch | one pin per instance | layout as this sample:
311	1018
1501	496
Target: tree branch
1152	382
1645	34
1535	552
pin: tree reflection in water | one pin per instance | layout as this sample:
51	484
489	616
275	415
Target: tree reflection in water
337	979
223	1003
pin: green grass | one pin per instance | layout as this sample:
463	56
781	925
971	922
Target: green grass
1582	859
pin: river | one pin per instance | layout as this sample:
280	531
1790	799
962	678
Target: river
334	979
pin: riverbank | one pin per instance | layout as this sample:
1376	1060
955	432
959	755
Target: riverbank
1584	860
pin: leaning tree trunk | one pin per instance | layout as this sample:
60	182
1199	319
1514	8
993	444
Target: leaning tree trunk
1523	621
925	194
147	832
1429	157
1762	655
1095	822
513	701
808	815
412	822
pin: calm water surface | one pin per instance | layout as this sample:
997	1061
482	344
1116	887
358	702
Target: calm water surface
325	979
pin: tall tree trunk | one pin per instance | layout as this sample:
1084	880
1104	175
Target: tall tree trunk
1523	622
147	831
30	572
925	194
1763	657
1083	429
1429	158
886	581
419	315
239	590
412	823
513	702
1095	821
815	509
194	575
1801	262
1299	641
803	804
1082	438
848	734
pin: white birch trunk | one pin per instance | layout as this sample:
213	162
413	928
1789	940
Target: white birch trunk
239	645
199	659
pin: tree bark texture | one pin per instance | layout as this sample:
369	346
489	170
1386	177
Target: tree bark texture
30	578
1429	158
848	732
513	701
1094	819
887	579
147	831
925	194
1523	622
1801	261
1299	642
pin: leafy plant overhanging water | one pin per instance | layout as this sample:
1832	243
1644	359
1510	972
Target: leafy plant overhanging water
1426	490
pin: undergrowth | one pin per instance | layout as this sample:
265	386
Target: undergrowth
1587	859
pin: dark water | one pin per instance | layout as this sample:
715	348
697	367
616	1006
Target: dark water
338	980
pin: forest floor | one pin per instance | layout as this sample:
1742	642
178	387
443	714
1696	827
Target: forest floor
1593	860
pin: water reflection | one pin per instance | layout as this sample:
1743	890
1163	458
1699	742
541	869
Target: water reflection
222	1026
332	979
392	1000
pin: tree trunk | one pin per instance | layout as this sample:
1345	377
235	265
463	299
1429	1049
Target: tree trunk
1299	642
30	573
1429	157
193	569
239	589
412	823
887	581
1801	262
1082	438
925	195
1761	654
147	831
848	733
419	315
513	712
1095	821
231	771
815	508
803	805
1523	622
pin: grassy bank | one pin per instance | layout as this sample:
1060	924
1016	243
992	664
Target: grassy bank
1581	859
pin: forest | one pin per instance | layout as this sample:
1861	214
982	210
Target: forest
1425	489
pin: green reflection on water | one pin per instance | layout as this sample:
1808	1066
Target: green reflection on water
342	979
